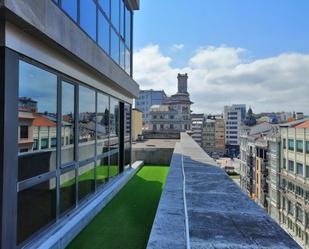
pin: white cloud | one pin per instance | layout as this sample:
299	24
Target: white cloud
176	47
222	75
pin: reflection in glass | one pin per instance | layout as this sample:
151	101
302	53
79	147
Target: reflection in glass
67	190
102	123
114	46
36	208
37	111
86	123
67	123
122	55
70	7
128	61
115	7
128	27
122	19
127	135
85	180
114	136
103	33
88	17
102	171
105	5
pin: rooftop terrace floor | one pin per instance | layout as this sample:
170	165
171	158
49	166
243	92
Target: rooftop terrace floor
219	214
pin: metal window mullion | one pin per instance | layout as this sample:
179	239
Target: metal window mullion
109	137
76	136
59	144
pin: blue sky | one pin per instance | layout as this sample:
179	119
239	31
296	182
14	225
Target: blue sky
264	30
264	27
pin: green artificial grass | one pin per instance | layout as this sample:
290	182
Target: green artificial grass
127	220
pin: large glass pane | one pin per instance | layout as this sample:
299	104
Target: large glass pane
70	7
85	180
36	208
103	36
102	123
115	8
114	137
37	113
128	61
67	123
122	18
102	171
128	27
67	190
88	17
114	46
105	5
127	135
86	123
122	55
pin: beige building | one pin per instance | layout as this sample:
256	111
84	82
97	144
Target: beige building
137	123
220	135
294	180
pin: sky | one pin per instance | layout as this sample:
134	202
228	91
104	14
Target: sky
254	52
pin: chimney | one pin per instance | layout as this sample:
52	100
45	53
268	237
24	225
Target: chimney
182	83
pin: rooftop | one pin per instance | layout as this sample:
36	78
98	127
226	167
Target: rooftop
201	207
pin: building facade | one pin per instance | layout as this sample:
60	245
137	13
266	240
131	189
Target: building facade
208	136
66	91
137	123
197	127
174	116
233	116
146	99
294	180
220	136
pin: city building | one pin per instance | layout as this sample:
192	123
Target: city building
137	123
174	116
220	136
208	136
146	99
197	121
294	180
66	91
233	116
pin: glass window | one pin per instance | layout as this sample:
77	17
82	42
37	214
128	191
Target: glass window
127	135
67	190
122	18
36	208
299	214
284	163
85	180
128	62
86	123
23	131
102	123
307	171
291	144
122	55
299	145
67	123
115	8
70	7
291	166
299	169
37	109
307	147
114	46
103	36
128	27
105	5
102	171
88	17
284	143
114	136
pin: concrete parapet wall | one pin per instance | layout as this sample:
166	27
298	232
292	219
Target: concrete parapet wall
153	156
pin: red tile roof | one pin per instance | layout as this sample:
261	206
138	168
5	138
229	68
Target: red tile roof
42	121
303	125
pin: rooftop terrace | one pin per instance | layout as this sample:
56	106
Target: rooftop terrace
201	207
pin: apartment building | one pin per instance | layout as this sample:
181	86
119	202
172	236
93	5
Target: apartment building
146	99
67	91
294	180
208	136
197	121
233	116
220	136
